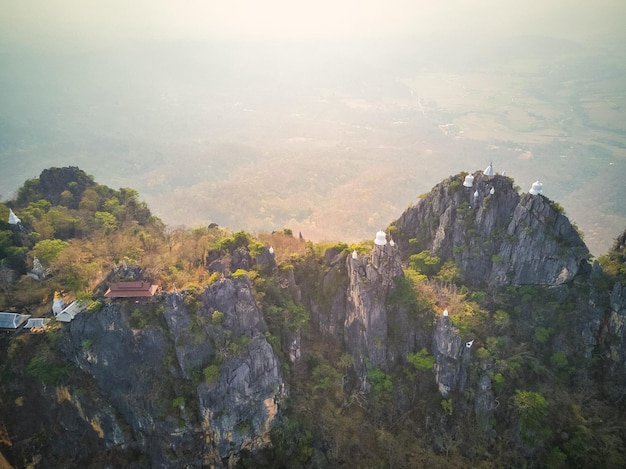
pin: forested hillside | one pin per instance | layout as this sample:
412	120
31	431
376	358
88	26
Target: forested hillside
475	331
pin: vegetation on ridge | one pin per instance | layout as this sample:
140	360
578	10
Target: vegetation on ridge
551	406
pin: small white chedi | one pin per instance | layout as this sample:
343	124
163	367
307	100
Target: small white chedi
381	239
13	218
536	189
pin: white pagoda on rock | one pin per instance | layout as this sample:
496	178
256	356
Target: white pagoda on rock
57	304
489	172
381	239
13	218
536	189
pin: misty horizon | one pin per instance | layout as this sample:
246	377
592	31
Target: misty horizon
331	123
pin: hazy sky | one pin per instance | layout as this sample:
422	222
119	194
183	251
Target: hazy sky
86	21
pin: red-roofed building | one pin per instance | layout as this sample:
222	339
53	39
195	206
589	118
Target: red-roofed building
131	290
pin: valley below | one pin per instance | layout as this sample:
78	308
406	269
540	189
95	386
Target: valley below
332	142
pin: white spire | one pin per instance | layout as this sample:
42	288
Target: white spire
489	171
13	219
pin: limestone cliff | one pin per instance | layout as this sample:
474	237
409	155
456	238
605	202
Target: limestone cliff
452	356
496	236
193	378
366	322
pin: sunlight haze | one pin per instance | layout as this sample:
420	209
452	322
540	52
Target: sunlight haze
36	20
326	117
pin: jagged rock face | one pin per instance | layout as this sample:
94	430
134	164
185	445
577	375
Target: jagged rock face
366	324
497	239
239	409
240	259
127	366
157	380
189	334
616	327
322	289
234	299
485	404
265	261
452	357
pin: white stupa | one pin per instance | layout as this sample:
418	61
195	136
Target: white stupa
445	313
469	344
469	181
58	304
271	250
13	218
355	255
492	191
381	239
536	189
489	172
392	243
476	194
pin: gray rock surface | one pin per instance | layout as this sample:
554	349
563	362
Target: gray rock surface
155	376
451	357
496	239
366	323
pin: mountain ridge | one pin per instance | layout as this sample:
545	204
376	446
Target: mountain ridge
473	331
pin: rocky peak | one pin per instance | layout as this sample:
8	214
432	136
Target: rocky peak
54	181
452	357
366	325
493	234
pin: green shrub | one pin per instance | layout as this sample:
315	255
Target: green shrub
137	319
532	409
542	334
559	360
217	318
211	374
498	382
94	306
421	360
381	381
483	354
240	273
45	370
425	262
449	273
496	259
